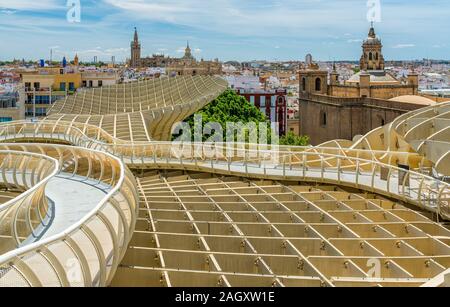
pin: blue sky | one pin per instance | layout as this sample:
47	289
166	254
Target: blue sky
227	29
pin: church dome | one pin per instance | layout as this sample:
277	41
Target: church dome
415	99
372	41
375	77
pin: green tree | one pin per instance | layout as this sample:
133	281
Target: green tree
229	107
292	139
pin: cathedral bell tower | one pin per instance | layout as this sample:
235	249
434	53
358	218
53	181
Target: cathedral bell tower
188	53
372	57
135	51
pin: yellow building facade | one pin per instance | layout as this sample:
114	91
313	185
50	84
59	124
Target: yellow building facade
44	86
12	105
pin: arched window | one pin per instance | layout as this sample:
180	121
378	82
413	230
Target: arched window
376	56
381	120
370	56
318	85
303	84
323	118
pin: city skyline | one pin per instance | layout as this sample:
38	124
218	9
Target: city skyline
224	144
228	30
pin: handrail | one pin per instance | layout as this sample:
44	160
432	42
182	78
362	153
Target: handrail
108	227
135	154
30	209
74	127
296	165
88	252
442	280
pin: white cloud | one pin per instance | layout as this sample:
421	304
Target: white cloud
97	51
8	12
229	29
164	10
241	18
31	5
112	51
402	46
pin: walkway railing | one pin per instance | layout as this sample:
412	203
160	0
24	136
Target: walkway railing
442	280
90	136
23	217
397	182
423	131
88	252
332	164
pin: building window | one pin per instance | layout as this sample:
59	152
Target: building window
376	56
71	86
323	118
5	119
37	85
303	84
370	56
62	86
273	101
381	120
9	102
318	85
270	113
262	101
28	86
100	83
91	83
84	83
42	99
41	111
